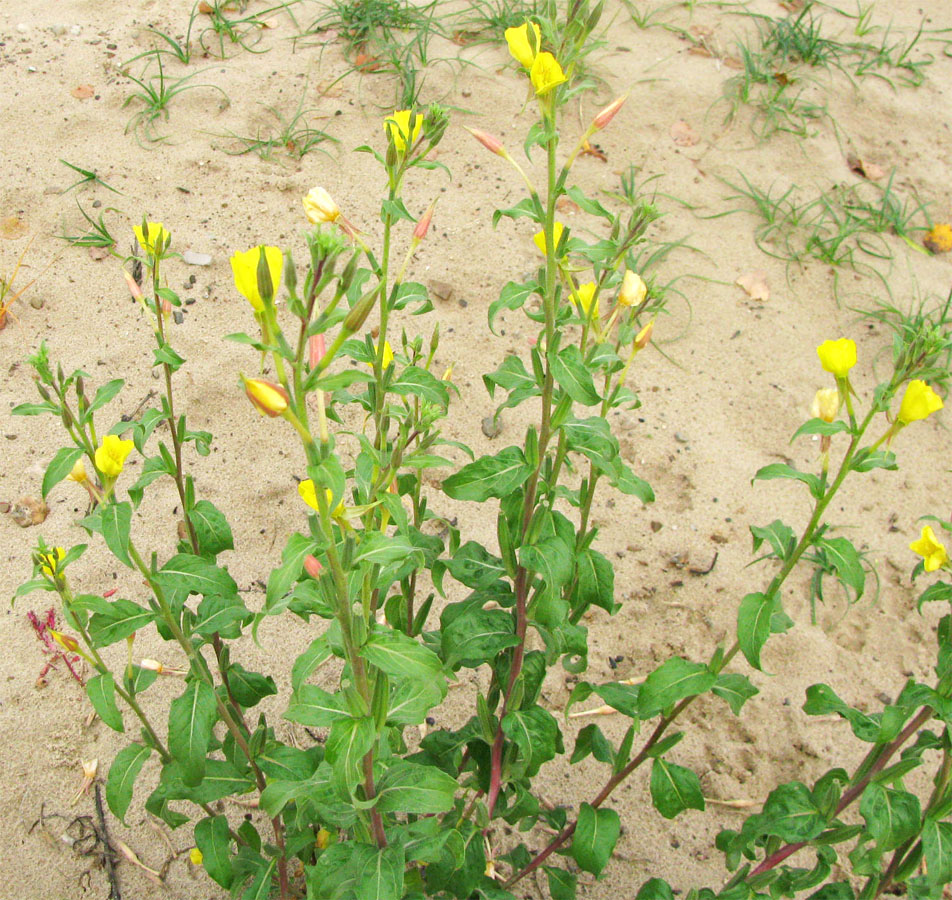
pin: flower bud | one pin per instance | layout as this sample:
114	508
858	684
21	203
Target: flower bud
608	113
134	288
826	404
152	665
316	349
359	311
448	374
319	207
643	338
423	225
269	399
312	566
489	141
633	290
67	642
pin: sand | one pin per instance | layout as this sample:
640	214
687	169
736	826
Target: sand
729	381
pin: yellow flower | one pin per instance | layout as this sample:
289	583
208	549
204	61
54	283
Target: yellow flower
154	234
633	290
111	455
319	207
195	856
51	560
244	267
323	839
524	42
583	297
309	496
826	404
837	357
78	472
397	126
931	550
546	74
539	238
269	399
643	338
387	355
919	402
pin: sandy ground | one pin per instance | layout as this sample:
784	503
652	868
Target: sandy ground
734	381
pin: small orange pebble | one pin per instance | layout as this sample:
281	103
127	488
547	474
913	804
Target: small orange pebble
939	239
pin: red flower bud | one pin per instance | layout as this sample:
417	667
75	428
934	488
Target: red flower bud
312	566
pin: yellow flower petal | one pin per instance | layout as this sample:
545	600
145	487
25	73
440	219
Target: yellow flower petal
397	127
837	357
319	207
546	74
387	355
633	289
51	561
919	402
539	238
524	42
154	233
583	297
826	404
931	549
244	267
111	455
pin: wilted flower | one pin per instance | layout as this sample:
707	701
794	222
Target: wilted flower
111	455
643	338
837	357
244	267
932	550
826	404
546	74
78	472
919	402
397	127
608	113
90	768
319	207
633	289
154	234
524	42
539	238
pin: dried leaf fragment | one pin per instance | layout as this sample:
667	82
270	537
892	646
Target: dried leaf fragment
864	168
29	511
12	227
939	238
83	91
683	134
755	284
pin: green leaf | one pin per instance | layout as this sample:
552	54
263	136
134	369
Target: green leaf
655	889
596	582
867	459
753	625
317	653
477	636
512	296
292	563
60	466
591	740
401	656
211	528
260	887
191	718
595	837
122	618
475	566
674	680
166	355
892	816
621	477
937	850
845	560
218	614
101	691
781	538
839	890
249	688
819	426
116	523
489	476
412	699
316	707
186	574
410	788
417	382
791	813
122	776
536	733
573	376
381	549
593	438
105	393
562	884
348	742
782	470
381	877
736	689
674	789
213	839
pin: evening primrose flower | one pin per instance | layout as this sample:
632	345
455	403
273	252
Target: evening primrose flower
153	235
320	208
539	238
195	856
546	74
244	266
932	550
50	561
633	290
524	42
583	297
268	398
111	455
308	494
397	127
919	402
78	472
387	355
826	404
837	357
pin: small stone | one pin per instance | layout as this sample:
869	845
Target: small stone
680	437
441	290
29	511
178	316
4	506
75	30
191	258
112	46
58	30
10	437
23	28
37	302
189	301
97	204
31	69
656	526
491	426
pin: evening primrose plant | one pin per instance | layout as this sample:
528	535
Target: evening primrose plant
371	799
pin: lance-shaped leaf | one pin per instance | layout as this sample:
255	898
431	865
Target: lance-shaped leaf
674	789
191	718
122	776
595	837
410	788
101	691
213	839
674	680
489	476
